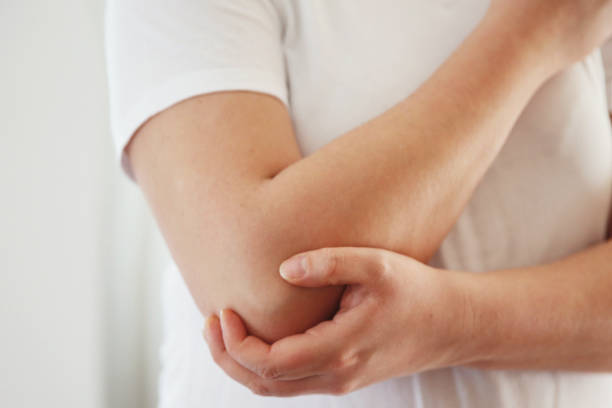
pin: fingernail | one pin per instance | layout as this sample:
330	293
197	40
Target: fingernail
206	330
293	268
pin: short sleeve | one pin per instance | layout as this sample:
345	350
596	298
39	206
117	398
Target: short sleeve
160	52
606	52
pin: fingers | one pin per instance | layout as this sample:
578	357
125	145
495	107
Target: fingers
214	338
258	385
294	357
336	266
212	335
247	350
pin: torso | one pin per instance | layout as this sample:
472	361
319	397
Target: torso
547	194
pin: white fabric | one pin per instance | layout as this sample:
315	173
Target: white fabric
336	64
606	52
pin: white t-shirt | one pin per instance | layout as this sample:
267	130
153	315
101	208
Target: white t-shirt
336	64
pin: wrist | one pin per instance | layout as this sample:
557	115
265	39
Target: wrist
462	326
473	318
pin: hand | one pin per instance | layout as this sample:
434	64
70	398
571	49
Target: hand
396	317
564	30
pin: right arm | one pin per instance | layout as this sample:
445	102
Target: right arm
234	197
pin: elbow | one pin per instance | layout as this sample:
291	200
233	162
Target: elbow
245	277
277	312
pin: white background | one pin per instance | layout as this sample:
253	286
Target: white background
79	256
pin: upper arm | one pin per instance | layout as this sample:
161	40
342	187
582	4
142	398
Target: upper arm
201	165
160	53
201	87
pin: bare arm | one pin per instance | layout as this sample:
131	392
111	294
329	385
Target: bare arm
551	317
556	316
234	197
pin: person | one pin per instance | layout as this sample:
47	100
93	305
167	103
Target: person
435	179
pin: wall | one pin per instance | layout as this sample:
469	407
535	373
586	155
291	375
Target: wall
79	256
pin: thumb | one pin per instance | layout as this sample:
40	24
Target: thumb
335	266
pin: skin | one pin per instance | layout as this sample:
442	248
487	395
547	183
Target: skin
399	317
234	197
553	317
362	344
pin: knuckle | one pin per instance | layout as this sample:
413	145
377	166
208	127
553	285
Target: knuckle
330	258
259	388
347	360
382	264
268	372
307	262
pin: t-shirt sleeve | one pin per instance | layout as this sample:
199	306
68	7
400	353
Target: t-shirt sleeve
161	52
607	59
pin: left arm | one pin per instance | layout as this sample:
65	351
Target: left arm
398	317
556	316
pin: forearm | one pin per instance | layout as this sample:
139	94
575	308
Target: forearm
401	180
556	316
397	182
